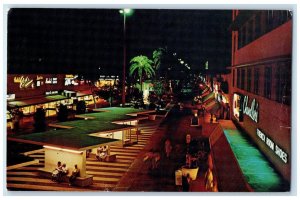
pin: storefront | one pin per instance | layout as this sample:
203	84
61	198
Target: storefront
264	121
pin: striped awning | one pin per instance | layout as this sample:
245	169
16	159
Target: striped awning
212	107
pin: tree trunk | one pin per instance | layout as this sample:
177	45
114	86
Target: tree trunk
141	82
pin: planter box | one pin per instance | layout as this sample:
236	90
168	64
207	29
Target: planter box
192	171
152	117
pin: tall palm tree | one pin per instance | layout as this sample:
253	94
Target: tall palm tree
142	67
157	56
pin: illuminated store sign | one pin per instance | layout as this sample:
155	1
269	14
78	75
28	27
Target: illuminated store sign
51	81
38	78
252	111
24	82
51	92
273	146
237	107
10	96
70	80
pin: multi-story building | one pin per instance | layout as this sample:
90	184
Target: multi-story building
260	84
30	91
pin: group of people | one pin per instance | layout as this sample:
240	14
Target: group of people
62	170
102	153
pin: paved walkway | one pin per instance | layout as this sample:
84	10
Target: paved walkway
141	178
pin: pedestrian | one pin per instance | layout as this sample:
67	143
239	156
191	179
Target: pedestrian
168	148
209	180
186	181
74	174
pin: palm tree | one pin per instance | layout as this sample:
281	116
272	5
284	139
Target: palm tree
142	67
158	56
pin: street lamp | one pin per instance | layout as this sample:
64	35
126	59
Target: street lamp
125	12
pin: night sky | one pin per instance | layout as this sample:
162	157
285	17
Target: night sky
81	40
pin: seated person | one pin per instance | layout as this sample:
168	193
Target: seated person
102	152
75	173
65	169
56	174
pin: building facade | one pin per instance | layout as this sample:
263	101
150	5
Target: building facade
260	85
30	91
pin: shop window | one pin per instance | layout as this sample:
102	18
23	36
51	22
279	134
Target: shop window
256	81
283	83
249	79
267	82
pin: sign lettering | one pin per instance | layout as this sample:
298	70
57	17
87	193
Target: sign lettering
51	81
252	111
24	82
51	92
274	147
39	78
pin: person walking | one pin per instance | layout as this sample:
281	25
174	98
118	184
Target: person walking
186	181
168	148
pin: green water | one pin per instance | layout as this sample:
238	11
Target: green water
257	170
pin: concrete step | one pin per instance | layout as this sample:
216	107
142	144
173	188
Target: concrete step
116	169
100	164
31	187
94	173
105	179
17	173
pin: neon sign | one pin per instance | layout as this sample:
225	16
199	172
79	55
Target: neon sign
252	111
51	81
39	77
24	82
274	147
51	92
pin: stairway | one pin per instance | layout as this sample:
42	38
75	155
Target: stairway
106	175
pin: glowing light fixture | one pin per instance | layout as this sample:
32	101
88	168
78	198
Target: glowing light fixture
61	149
182	62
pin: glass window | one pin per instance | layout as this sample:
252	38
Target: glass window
243	79
249	79
238	78
256	80
233	77
268	82
257	25
283	83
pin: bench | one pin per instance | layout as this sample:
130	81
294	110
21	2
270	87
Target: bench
79	181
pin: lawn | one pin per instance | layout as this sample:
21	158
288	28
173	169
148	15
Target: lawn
78	137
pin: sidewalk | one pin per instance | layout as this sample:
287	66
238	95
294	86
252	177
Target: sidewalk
175	128
140	178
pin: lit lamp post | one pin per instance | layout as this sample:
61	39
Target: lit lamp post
125	12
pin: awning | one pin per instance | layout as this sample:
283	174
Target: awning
210	96
212	107
83	93
35	101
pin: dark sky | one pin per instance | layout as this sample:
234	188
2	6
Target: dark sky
78	40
